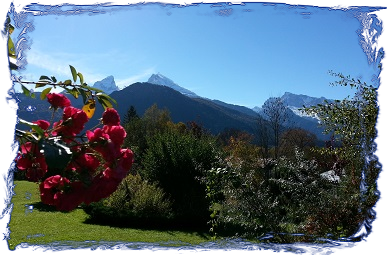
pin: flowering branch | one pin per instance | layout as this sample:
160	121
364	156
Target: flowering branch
72	171
69	170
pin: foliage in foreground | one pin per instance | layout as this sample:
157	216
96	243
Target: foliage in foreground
73	167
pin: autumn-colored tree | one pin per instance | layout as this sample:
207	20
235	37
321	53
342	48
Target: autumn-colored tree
296	137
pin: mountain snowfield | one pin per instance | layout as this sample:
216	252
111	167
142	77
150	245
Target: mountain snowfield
296	102
160	79
292	101
108	85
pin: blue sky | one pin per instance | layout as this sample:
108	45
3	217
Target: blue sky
240	54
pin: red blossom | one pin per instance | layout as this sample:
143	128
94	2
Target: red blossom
84	162
35	168
102	186
51	187
61	193
101	142
116	133
110	117
71	197
109	151
72	123
32	161
29	148
58	100
126	159
75	118
43	124
98	136
119	169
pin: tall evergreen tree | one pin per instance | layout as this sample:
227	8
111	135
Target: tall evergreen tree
131	114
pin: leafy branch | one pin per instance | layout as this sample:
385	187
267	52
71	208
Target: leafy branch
88	93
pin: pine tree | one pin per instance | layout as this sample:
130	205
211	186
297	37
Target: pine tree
131	114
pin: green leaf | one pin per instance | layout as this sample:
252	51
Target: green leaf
80	78
40	84
74	92
106	97
44	93
53	79
84	96
34	127
44	77
74	73
67	82
94	89
104	102
25	91
38	130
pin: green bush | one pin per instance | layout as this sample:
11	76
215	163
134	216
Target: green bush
176	160
135	203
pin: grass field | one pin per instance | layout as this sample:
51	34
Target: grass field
43	225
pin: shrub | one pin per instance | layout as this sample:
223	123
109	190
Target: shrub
135	203
176	161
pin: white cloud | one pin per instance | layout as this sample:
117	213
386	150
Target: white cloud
51	62
89	64
57	64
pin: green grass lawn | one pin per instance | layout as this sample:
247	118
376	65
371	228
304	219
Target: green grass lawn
42	225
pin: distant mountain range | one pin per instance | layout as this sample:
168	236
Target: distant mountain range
183	105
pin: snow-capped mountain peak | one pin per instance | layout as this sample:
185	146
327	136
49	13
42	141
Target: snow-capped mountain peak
108	85
159	79
299	101
296	102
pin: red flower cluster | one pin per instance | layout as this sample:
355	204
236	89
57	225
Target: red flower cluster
110	117
58	100
72	123
97	166
32	161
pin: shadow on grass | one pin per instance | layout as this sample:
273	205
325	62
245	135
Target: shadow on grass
163	225
39	206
